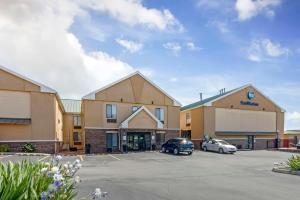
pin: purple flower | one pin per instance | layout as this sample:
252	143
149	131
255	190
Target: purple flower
44	195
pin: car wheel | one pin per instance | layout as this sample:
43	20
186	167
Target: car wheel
190	153
163	149
175	151
221	150
204	148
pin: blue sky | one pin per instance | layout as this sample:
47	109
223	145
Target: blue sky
186	47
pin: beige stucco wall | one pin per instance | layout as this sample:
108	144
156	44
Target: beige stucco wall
142	121
134	90
209	121
67	127
11	82
233	101
244	120
14	104
173	117
58	121
42	125
95	113
197	123
280	123
183	125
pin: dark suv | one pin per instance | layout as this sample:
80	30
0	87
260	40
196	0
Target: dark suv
178	145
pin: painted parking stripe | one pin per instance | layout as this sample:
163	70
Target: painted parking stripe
43	158
81	158
114	157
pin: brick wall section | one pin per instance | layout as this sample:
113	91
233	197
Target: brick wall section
41	147
259	144
170	134
97	139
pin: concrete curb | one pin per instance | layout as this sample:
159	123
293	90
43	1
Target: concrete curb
24	154
285	171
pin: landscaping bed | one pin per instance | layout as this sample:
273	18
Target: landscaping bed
292	166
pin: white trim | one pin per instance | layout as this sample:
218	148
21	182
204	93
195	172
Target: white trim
111	132
124	124
44	88
93	127
92	95
29	141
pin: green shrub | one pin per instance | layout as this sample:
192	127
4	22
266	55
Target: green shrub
28	148
4	148
35	180
294	163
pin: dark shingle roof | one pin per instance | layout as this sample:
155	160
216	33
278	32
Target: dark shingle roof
72	105
204	101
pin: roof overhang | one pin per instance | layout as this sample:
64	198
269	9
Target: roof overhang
125	123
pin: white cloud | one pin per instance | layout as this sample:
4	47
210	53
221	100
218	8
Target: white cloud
293	116
35	40
131	46
173	79
292	120
221	26
250	8
261	49
173	46
132	12
192	46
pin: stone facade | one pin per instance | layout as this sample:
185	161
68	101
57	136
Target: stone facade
41	147
259	144
96	138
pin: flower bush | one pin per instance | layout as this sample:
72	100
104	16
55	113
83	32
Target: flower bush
294	163
41	180
38	180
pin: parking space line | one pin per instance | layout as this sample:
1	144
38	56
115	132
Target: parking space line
43	158
114	157
81	158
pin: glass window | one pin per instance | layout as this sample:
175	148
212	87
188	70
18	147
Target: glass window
135	108
111	111
188	118
76	121
160	114
76	137
112	140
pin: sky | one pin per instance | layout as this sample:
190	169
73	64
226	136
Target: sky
184	46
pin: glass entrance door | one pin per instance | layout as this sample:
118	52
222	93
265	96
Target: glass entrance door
251	142
138	141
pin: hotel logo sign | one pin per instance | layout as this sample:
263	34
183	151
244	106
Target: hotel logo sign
250	96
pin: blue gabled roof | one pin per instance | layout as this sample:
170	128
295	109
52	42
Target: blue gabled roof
72	105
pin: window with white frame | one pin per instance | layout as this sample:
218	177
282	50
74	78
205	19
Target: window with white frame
111	113
76	121
160	114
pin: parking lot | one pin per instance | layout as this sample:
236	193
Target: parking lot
204	175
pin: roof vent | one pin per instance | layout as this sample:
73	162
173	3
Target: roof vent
200	96
222	91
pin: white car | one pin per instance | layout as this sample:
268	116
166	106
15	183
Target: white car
220	146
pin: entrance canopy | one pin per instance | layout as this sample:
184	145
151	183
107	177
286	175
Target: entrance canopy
142	119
